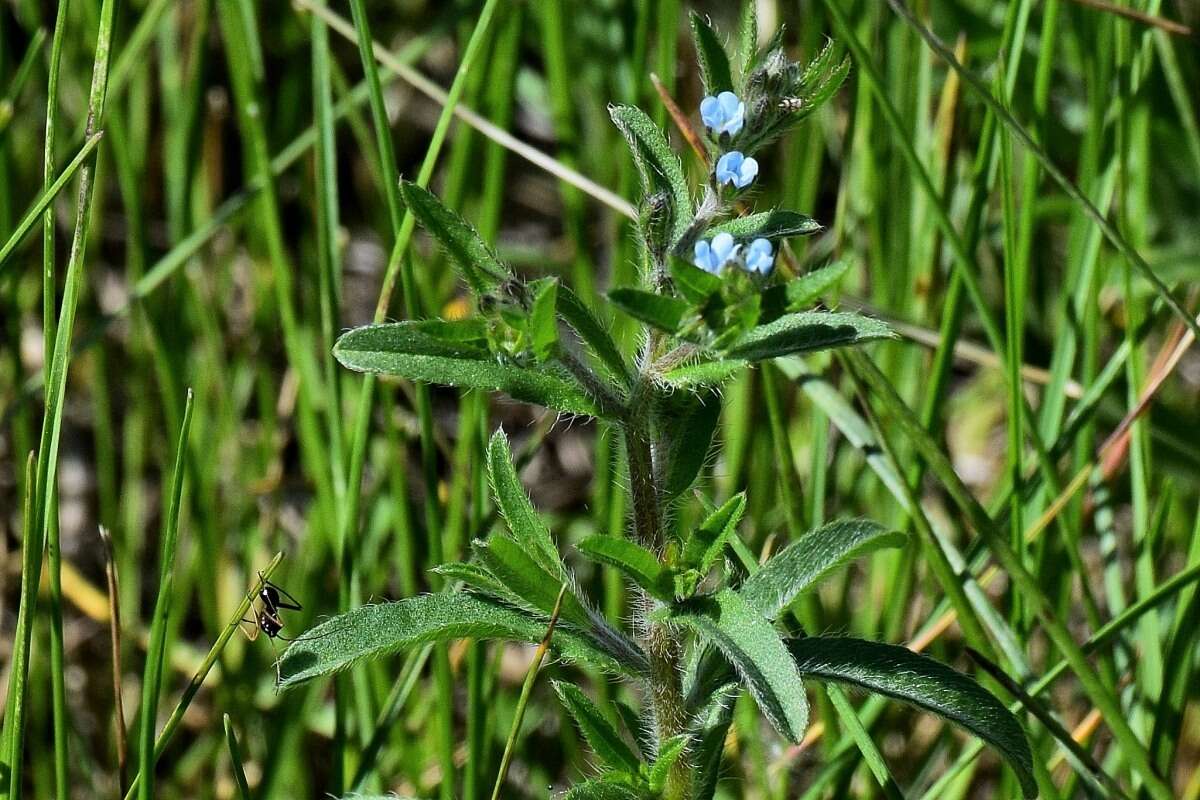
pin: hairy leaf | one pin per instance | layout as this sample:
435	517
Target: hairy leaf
776	224
518	513
801	293
543	322
710	54
685	423
805	332
375	631
415	351
693	283
478	263
712	725
703	374
668	754
638	563
901	674
707	542
476	577
601	736
660	310
516	569
656	162
601	790
810	558
593	333
748	36
753	647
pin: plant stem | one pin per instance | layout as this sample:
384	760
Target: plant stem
660	641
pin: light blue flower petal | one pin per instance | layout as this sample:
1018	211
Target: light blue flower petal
723	246
760	256
730	166
747	171
729	104
710	112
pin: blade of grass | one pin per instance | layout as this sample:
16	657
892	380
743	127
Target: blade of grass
235	759
1107	228
31	570
1024	582
526	689
114	635
189	693
506	139
48	450
156	652
41	206
58	692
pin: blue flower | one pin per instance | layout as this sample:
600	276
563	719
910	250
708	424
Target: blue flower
735	168
712	256
724	113
760	256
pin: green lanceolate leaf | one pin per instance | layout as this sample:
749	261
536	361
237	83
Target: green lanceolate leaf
777	224
710	54
753	647
663	312
481	268
519	514
748	36
805	332
695	284
657	164
801	293
515	568
804	562
601	736
601	790
476	577
703	374
376	631
901	674
711	727
707	543
668	755
581	319
639	564
685	423
412	350
543	322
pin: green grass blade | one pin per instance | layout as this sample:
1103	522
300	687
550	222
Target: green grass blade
42	204
235	759
156	652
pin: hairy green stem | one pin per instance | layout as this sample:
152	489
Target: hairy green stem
661	642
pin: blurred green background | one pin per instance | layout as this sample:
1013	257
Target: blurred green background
196	276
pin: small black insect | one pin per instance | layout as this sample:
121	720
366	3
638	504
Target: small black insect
268	602
271	599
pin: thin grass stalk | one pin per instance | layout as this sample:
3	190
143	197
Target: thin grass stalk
1110	232
41	206
156	651
48	451
235	759
114	635
526	689
1097	691
58	692
31	569
189	693
399	266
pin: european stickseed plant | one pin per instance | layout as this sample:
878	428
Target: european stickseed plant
711	622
